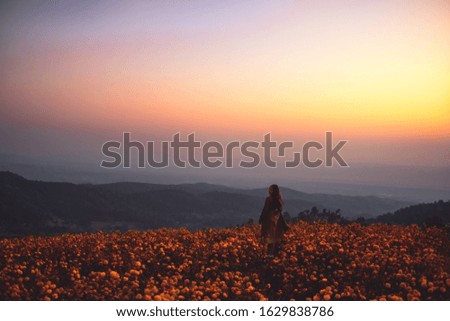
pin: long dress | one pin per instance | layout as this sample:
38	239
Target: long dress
272	223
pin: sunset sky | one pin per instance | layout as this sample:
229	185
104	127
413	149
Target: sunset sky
376	73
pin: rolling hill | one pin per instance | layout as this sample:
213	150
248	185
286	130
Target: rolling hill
436	213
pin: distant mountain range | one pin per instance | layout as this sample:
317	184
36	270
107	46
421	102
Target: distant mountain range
37	207
413	184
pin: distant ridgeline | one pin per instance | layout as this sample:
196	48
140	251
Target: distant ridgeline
30	207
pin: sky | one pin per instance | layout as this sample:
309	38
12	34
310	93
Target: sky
376	73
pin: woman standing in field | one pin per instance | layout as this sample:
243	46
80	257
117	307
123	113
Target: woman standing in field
272	222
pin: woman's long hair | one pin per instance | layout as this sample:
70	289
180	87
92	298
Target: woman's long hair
277	200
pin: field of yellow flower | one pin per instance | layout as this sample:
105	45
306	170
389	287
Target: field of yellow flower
318	261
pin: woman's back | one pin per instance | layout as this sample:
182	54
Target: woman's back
272	222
